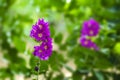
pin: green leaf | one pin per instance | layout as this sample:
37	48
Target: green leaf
53	61
58	38
77	76
59	77
43	66
33	61
102	63
117	48
99	76
19	44
56	60
52	31
116	76
63	47
59	4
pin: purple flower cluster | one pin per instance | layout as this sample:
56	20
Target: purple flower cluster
41	33
90	29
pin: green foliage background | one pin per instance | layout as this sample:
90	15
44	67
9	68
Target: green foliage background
66	18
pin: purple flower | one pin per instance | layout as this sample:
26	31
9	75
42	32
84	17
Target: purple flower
88	43
85	42
40	32
90	28
38	50
43	51
47	48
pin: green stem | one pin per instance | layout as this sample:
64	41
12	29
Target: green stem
38	69
38	75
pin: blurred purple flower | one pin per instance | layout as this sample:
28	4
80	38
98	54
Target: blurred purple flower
88	43
85	42
40	32
90	28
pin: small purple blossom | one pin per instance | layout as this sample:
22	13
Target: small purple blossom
43	51
85	42
90	28
40	32
88	43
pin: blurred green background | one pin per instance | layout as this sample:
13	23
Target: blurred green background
69	61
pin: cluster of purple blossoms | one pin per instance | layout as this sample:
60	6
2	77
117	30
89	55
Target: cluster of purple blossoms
90	29
41	33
